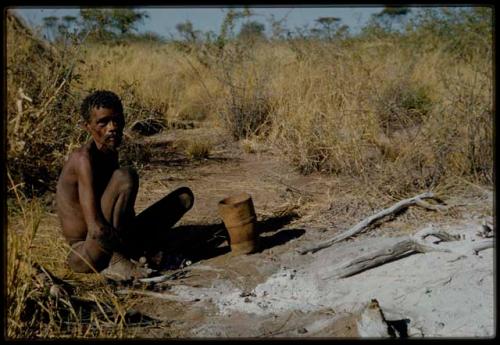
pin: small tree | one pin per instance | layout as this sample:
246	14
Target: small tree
187	32
125	19
96	22
390	15
110	23
252	30
329	28
278	29
227	28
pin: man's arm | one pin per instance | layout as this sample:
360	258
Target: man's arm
96	223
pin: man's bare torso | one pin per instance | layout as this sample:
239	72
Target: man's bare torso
69	207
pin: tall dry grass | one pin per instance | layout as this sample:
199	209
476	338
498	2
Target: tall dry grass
39	307
399	116
149	79
389	114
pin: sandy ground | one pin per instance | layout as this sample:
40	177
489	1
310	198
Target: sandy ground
279	293
443	294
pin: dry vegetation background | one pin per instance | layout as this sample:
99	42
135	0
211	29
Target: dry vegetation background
397	113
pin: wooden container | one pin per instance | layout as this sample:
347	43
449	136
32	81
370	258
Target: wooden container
238	215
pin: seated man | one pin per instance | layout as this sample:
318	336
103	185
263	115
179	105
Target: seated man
95	199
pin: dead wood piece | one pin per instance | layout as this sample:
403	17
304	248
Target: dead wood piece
164	296
158	279
403	248
431	207
369	221
486	230
489	243
441	234
379	257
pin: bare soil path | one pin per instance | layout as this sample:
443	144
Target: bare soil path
277	292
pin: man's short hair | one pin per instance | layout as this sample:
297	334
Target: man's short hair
100	99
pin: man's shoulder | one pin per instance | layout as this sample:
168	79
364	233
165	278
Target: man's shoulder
79	154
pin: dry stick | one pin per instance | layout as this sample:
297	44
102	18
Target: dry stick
430	231
428	206
46	104
370	220
377	258
168	297
293	189
279	329
19	103
403	248
489	243
158	279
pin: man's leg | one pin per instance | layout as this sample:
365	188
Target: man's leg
117	205
152	223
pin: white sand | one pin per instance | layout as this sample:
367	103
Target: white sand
443	294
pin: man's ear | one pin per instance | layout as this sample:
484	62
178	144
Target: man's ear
83	125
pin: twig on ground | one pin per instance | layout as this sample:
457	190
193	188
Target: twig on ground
159	295
361	226
442	235
278	330
431	207
486	229
19	103
162	278
489	243
403	248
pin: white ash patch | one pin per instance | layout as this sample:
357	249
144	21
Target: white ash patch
443	294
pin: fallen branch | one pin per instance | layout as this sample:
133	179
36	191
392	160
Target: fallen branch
158	279
442	235
389	253
165	296
19	103
431	207
486	230
403	248
361	226
483	245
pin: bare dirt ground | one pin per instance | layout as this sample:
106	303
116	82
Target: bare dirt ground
278	292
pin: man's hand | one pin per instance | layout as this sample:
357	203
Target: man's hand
107	237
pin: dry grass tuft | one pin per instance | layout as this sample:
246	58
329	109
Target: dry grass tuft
197	149
36	305
389	116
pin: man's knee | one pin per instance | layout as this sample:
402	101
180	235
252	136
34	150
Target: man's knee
186	197
126	179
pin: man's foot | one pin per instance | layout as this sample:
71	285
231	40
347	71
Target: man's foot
186	200
122	269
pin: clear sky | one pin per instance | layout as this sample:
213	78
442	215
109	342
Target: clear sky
163	20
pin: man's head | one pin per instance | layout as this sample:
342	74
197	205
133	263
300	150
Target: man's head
102	112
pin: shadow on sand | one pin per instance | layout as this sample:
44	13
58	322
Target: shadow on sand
202	242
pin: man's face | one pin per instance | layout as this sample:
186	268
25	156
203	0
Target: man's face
106	127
